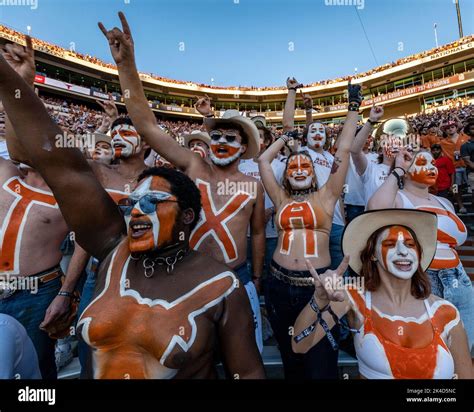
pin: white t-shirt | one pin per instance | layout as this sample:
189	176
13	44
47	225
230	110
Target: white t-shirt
354	194
373	177
250	168
322	167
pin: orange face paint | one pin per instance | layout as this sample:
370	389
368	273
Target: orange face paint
152	230
396	249
300	172
423	169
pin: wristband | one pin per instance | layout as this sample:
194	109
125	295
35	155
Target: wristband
353	107
292	88
67	294
209	115
399	179
372	122
401	168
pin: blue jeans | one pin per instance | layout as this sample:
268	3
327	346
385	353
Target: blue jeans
335	245
353	211
284	303
83	348
455	286
29	309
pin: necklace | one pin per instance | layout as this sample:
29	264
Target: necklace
300	194
149	263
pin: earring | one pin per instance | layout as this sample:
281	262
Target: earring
373	259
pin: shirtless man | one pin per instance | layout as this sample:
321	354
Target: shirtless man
231	201
159	307
31	233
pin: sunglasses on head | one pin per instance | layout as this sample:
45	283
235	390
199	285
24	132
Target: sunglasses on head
216	136
147	202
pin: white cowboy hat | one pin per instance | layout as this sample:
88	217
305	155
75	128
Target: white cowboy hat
250	130
357	232
196	135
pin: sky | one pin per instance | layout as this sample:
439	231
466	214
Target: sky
248	42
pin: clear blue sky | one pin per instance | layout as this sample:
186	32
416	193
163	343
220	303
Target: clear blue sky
246	42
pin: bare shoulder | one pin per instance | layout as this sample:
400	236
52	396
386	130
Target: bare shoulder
7	169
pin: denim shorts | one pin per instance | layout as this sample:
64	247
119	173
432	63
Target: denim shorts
455	286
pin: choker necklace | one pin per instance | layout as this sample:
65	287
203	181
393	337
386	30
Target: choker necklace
299	193
170	262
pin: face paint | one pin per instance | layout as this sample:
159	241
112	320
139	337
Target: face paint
103	153
316	135
397	252
199	147
153	216
423	170
125	141
223	152
300	172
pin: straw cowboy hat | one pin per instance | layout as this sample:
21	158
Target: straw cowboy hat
196	135
357	232
233	117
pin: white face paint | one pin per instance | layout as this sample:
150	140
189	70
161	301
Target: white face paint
423	169
300	172
397	252
144	225
103	153
223	153
316	135
125	141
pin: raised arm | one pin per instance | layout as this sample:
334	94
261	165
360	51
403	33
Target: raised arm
325	296
87	208
122	49
332	190
272	186
22	60
308	107
289	110
357	148
386	195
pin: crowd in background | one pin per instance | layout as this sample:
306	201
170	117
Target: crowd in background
47	47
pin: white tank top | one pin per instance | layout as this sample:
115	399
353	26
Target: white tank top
451	232
380	359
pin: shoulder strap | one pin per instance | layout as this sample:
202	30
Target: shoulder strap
406	201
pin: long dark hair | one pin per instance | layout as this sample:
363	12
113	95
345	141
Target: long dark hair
420	284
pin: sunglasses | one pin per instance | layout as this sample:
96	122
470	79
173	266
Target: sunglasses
148	202
216	136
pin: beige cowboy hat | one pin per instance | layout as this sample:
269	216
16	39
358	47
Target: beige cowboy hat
357	232
196	135
250	130
101	137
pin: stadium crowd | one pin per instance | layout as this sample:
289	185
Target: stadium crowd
47	47
139	244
